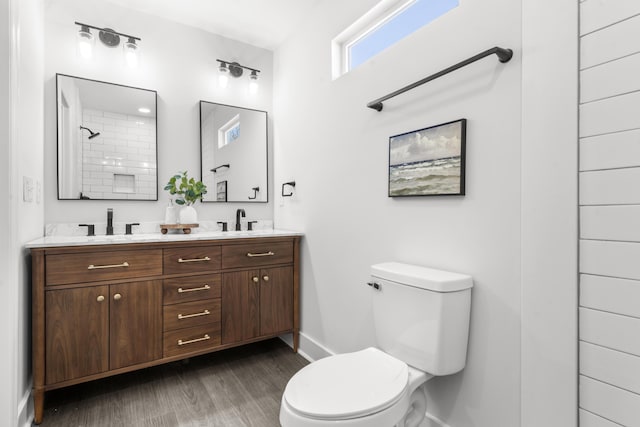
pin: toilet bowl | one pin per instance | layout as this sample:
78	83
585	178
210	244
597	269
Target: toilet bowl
364	388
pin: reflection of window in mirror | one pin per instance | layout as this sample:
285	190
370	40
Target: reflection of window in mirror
229	132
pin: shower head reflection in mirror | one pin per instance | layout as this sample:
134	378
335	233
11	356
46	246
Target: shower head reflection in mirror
124	118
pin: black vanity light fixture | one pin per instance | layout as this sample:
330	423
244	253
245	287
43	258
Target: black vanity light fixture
109	38
236	70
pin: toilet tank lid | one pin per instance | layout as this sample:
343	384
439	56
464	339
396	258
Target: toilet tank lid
422	277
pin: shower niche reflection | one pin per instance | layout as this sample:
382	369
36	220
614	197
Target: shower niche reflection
233	144
107	143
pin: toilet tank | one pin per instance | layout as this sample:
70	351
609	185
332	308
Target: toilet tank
421	315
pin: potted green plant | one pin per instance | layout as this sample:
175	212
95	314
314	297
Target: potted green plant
188	191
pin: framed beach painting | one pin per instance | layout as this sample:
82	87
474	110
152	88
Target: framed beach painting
429	161
221	191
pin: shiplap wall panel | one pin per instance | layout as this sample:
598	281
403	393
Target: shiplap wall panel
621	223
610	402
610	187
597	14
609	180
610	43
610	366
610	294
611	114
610	79
614	259
588	419
613	331
610	151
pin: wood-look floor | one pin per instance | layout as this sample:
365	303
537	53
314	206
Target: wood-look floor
236	387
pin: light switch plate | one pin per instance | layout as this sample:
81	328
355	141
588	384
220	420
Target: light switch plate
27	189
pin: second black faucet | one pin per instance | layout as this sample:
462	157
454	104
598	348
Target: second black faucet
109	222
239	213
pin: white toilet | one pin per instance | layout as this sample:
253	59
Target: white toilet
421	320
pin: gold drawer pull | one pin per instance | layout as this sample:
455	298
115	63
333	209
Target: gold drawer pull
203	288
96	267
205	259
252	255
187	316
204	338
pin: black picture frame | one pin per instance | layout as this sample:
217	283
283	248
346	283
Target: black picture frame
429	161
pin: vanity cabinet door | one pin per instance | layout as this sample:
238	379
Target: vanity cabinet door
276	300
136	323
256	303
77	333
240	305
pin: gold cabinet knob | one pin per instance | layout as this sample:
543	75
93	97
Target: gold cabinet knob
255	279
100	298
265	278
117	297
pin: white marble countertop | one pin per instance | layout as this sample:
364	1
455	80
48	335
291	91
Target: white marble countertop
59	240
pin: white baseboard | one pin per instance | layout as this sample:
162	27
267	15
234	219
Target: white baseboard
309	348
25	410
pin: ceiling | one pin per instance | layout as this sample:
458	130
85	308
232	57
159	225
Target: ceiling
260	23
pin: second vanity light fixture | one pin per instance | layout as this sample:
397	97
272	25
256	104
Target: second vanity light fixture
109	38
236	70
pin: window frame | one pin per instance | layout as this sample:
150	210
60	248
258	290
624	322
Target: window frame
371	21
224	130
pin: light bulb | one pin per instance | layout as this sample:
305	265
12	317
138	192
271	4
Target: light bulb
253	82
85	43
223	77
131	53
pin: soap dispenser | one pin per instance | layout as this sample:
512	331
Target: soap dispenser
170	214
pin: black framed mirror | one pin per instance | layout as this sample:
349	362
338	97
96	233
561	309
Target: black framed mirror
233	153
107	140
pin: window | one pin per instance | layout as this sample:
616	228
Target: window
229	132
386	24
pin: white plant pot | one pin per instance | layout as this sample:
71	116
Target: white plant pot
188	215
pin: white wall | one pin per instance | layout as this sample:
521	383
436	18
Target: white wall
21	121
179	62
8	253
610	244
336	150
549	213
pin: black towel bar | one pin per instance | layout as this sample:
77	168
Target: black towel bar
504	55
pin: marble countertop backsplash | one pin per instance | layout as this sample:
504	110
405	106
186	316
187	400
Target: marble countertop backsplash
149	227
65	234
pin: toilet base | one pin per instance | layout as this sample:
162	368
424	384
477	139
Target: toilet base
390	416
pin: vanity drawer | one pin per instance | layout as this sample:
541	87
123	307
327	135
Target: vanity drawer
191	260
188	340
257	254
192	288
188	314
97	266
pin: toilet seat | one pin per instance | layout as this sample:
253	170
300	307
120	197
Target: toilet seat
347	386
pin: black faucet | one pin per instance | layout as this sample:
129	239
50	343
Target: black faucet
239	213
109	222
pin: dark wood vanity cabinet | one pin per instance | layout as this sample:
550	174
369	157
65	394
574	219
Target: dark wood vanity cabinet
107	309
